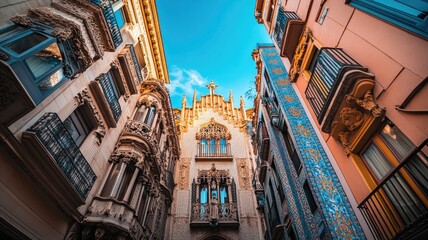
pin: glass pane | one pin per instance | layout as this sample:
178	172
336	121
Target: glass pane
72	128
212	145
112	181
119	18
52	80
223	145
399	144
23	44
376	161
204	194
11	31
45	60
223	194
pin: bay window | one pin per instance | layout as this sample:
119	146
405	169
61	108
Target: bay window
35	57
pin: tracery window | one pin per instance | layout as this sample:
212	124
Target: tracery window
213	197
147	114
213	140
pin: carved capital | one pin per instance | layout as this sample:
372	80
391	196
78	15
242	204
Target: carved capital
368	103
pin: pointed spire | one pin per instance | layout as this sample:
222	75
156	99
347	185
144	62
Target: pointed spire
230	95
242	105
194	103
184	101
183	107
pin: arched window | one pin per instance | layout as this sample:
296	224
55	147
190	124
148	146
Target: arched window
213	140
150	115
214	196
118	181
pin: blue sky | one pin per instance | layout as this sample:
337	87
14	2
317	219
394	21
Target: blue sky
209	40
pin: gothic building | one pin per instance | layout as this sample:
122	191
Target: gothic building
88	138
340	119
213	198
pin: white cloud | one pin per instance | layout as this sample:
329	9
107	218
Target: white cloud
184	81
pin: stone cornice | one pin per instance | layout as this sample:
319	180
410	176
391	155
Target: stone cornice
151	22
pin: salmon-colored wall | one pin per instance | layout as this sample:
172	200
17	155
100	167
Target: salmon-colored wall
398	59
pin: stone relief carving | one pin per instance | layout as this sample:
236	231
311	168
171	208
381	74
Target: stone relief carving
83	97
244	178
213	130
351	118
300	53
183	180
367	103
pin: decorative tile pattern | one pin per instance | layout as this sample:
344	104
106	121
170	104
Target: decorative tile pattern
335	206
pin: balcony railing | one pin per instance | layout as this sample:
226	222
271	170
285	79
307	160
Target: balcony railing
51	132
214	150
226	212
108	13
331	65
263	142
288	29
397	207
272	110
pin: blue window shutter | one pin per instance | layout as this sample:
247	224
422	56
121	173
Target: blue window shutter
110	94
111	20
135	60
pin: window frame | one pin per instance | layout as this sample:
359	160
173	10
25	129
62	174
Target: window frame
310	58
83	124
310	197
393	16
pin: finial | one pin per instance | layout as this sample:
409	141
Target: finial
211	87
230	94
184	100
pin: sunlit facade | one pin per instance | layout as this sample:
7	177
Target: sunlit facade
341	118
89	141
214	194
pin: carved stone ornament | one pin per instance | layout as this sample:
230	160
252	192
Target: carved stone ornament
83	97
126	157
351	118
213	130
367	103
300	53
115	65
183	180
4	56
244	178
344	139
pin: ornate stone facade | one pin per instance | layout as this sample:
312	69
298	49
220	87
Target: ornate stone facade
214	185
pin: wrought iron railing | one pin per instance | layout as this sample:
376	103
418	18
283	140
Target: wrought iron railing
213	150
281	24
329	68
54	136
108	13
397	207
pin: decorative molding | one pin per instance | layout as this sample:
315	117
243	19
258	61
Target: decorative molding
295	69
367	103
117	67
183	174
244	177
213	130
83	97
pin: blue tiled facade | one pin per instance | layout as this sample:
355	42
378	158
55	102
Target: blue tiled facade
334	207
